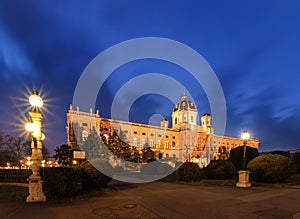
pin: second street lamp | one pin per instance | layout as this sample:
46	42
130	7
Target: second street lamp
245	137
244	173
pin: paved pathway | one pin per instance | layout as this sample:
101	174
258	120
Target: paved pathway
167	200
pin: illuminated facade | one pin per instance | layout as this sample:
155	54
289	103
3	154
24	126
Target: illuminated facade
184	140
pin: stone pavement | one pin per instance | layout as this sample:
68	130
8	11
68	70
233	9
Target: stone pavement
167	200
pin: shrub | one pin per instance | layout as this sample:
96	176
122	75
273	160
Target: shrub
220	169
189	172
271	168
92	177
236	156
61	181
296	159
178	164
156	168
15	175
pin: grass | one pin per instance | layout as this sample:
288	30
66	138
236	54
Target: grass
13	193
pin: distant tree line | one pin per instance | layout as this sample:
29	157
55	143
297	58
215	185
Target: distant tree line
13	149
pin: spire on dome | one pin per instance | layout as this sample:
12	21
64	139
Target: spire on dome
184	97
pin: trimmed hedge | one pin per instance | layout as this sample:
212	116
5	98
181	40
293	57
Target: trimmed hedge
92	177
271	168
61	182
220	169
158	168
189	172
15	175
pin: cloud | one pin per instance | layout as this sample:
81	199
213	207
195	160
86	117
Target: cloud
14	59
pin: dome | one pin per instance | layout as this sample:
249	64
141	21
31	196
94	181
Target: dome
185	104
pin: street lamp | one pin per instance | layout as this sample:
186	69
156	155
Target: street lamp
34	127
245	137
244	173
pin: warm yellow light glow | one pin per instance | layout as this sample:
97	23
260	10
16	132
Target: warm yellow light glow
74	162
31	127
36	100
43	137
245	135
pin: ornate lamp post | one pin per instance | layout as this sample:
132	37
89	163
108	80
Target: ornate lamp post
35	128
244	174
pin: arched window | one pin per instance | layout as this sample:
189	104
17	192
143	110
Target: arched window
175	120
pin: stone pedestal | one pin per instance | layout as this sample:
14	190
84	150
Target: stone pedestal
35	190
243	179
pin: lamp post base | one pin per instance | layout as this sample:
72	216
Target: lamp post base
243	179
35	190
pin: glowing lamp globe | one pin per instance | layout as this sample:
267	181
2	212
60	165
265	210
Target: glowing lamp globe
245	135
35	100
29	127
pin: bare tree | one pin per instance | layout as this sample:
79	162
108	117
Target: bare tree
18	148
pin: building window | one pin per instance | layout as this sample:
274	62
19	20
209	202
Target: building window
159	136
134	142
192	118
105	129
143	141
84	124
167	145
152	134
151	143
173	144
126	131
85	135
185	117
167	136
159	143
175	120
135	133
143	133
174	137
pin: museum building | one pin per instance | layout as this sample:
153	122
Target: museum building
184	141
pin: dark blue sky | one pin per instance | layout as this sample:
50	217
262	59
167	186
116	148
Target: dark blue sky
253	47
